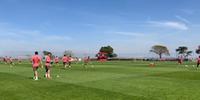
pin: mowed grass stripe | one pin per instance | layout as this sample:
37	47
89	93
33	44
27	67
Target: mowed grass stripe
152	87
166	81
51	90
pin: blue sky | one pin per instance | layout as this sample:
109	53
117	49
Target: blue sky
129	26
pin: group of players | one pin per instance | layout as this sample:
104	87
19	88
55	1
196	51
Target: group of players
9	60
181	59
37	62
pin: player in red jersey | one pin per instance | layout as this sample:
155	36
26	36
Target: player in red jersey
5	60
65	60
180	60
70	59
56	60
10	61
48	65
36	61
86	60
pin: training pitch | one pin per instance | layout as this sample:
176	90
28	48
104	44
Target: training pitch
114	80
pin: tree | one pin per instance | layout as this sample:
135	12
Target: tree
188	53
112	55
183	50
106	49
160	50
68	53
198	50
46	53
109	50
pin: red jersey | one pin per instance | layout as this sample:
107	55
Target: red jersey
47	61
10	60
198	60
65	59
86	59
36	60
56	60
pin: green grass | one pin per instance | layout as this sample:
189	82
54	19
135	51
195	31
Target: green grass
116	80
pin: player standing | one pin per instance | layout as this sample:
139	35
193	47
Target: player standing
86	60
48	65
5	60
36	61
180	60
56	60
70	61
10	61
65	60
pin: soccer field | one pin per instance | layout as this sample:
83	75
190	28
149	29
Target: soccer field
116	80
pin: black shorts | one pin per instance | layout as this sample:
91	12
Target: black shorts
64	63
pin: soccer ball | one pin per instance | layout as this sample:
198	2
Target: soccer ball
186	65
79	59
57	76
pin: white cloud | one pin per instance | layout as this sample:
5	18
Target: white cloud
140	43
57	38
23	40
188	11
134	42
129	33
33	35
182	19
169	24
89	25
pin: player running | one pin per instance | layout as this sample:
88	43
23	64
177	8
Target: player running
5	60
10	61
70	61
56	60
65	60
180	60
48	65
86	61
36	62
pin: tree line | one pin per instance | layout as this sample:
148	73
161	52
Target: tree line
108	50
160	50
181	51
